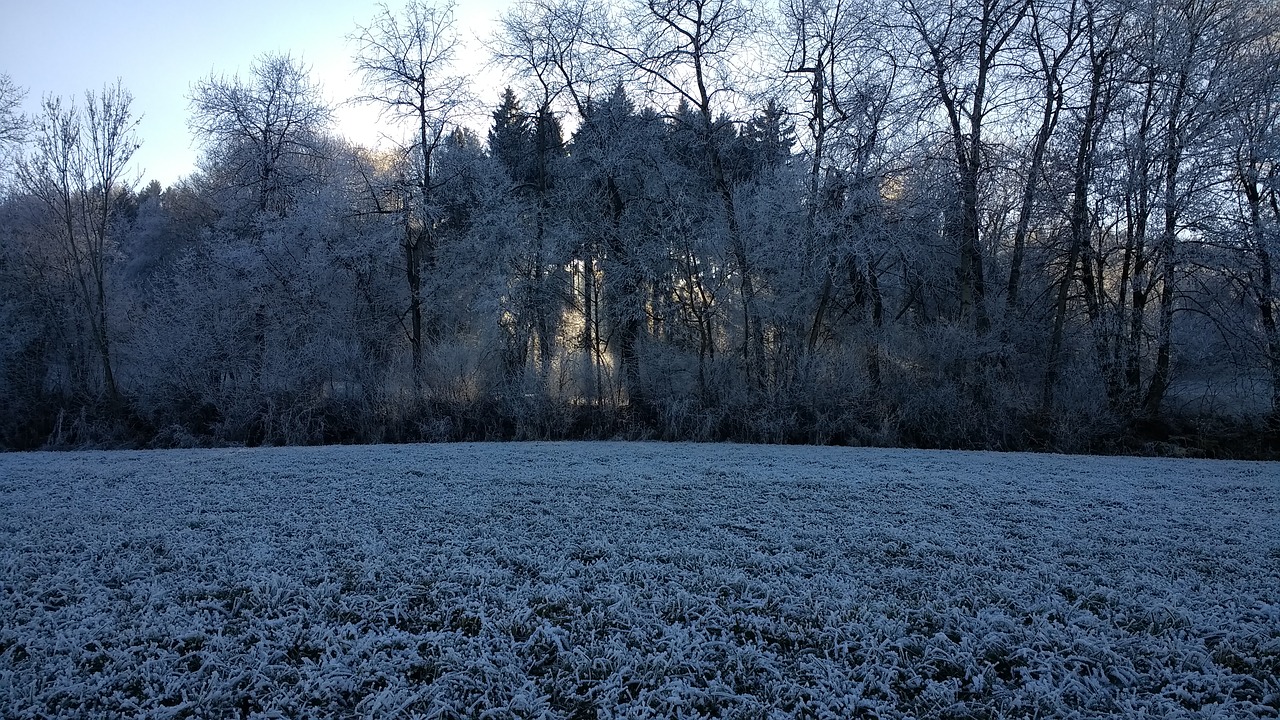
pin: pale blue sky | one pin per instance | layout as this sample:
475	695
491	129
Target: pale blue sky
159	48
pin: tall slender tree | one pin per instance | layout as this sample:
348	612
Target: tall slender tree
406	59
958	47
78	172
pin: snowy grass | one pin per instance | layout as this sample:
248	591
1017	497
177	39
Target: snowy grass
612	580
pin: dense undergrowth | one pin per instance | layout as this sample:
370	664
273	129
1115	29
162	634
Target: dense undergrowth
912	422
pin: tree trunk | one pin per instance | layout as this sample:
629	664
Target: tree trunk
1048	121
413	275
1264	292
1168	245
626	289
1079	228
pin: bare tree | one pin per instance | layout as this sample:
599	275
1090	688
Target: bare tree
1053	33
12	125
836	45
1254	150
959	47
266	130
1103	52
77	171
544	41
1200	46
406	59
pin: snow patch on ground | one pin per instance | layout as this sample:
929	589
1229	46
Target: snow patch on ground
616	580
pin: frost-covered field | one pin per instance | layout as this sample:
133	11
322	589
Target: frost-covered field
636	580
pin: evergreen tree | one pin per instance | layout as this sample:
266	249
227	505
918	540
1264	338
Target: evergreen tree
766	141
510	137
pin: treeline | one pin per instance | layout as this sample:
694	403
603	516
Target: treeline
963	223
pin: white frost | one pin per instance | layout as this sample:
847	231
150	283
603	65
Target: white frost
640	580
